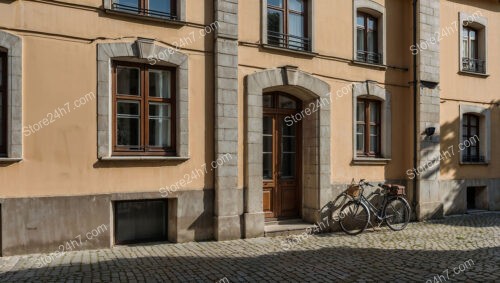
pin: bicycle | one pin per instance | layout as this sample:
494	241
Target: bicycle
394	210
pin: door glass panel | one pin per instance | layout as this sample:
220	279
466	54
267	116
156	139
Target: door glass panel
128	123
159	83
128	81
159	125
267	101
288	151
267	158
287	103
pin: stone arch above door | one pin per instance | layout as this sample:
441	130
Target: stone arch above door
317	152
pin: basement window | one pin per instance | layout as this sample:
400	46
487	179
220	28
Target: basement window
140	221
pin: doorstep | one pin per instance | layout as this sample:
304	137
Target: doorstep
286	227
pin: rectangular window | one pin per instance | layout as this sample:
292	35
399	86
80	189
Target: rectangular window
154	8
470	51
144	108
367	39
368	127
3	103
140	221
286	24
470	138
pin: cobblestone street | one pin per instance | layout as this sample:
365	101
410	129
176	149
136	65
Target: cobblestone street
459	248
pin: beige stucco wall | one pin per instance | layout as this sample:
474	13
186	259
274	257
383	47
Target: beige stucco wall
334	46
459	89
61	159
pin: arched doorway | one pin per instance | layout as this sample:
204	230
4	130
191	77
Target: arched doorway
281	156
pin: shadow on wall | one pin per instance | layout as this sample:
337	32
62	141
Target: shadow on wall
340	263
450	153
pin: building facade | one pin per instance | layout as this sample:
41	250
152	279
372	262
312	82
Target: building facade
197	120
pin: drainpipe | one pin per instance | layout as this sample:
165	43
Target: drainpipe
415	81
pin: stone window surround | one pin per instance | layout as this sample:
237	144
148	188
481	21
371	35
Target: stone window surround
484	130
13	45
181	11
374	9
310	26
481	25
139	52
373	91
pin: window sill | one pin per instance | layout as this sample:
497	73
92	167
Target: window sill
475	163
369	65
473	74
144	17
300	52
10	160
370	161
145	158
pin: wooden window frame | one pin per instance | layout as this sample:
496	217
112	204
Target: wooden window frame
3	90
144	99
367	123
285	10
466	134
365	32
467	31
143	9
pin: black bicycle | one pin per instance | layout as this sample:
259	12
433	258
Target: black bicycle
394	209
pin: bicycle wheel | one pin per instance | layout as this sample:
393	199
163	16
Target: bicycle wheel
397	213
354	217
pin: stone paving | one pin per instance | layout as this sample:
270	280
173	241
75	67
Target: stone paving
460	248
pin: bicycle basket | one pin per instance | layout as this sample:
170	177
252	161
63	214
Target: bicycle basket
353	191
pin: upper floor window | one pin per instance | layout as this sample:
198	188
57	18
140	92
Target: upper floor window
369	31
470	133
144	110
368	127
155	8
287	24
473	47
3	103
367	39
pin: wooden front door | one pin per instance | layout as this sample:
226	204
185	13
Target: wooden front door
281	156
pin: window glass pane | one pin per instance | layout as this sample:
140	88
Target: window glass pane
267	143
288	131
274	20
474	120
162	6
372	24
1	120
296	28
360	111
128	5
360	138
473	131
128	123
472	34
159	83
360	40
287	103
374	139
267	101
128	82
465	50
277	3
374	112
159	125
360	21
288	144
296	5
1	70
473	49
371	37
